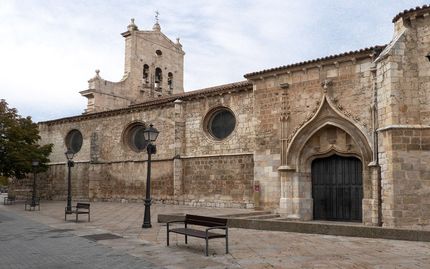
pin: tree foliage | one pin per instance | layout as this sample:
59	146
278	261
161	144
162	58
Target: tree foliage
19	146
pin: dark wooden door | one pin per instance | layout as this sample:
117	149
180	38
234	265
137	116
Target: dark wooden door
337	188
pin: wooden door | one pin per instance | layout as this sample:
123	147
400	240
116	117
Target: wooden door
337	188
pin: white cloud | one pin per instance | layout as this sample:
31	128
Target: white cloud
49	49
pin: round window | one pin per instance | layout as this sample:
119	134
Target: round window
158	52
221	123
74	141
134	137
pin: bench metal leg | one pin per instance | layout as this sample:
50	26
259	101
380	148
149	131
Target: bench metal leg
167	237
206	250
226	241
186	237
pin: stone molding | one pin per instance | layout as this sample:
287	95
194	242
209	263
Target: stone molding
326	114
401	126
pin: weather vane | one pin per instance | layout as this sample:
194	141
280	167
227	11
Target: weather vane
156	16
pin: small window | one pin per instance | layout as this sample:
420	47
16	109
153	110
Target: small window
158	52
170	80
220	123
74	140
134	137
145	72
158	75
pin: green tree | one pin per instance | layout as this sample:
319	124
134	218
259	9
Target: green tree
19	144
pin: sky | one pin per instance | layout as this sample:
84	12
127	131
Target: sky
49	49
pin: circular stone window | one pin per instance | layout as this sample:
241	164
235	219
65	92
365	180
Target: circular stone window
158	52
220	123
134	137
74	140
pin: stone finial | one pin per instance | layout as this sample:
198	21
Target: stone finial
178	43
97	76
156	27
132	26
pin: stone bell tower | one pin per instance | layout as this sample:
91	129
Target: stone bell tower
154	67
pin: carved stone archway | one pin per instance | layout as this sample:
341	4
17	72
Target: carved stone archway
328	132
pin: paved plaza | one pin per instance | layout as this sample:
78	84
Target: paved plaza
42	239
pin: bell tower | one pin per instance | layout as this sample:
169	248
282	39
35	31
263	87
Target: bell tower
154	67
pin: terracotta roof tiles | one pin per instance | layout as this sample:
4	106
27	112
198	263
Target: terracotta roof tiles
331	57
409	11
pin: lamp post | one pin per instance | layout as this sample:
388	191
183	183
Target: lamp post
69	155
34	164
150	135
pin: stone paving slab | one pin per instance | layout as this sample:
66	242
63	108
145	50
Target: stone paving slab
27	244
249	248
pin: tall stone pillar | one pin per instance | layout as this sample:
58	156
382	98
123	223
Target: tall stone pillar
178	185
295	201
371	205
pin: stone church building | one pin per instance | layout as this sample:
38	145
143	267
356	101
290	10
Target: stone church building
344	137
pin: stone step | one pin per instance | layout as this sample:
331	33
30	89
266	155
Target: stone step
314	227
247	214
268	216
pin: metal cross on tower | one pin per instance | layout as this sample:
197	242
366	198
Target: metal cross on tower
156	16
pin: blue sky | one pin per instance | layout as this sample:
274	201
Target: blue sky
49	49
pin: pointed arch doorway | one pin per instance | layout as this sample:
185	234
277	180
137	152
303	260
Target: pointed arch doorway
337	188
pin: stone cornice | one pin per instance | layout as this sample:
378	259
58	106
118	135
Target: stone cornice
403	126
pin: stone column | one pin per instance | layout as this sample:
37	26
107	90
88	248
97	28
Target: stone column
371	205
296	201
178	185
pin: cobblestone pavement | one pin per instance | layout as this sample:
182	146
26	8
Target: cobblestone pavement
27	244
248	248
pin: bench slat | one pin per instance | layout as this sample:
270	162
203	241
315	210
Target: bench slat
196	233
205	221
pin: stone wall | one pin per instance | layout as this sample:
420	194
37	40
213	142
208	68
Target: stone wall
197	141
113	171
224	181
403	108
127	180
406	178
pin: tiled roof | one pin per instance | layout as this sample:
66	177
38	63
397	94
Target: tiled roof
378	49
196	93
408	11
157	101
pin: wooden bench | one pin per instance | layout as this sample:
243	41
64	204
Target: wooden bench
80	208
9	199
29	203
212	223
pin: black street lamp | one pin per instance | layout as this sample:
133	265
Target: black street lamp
69	155
34	164
150	135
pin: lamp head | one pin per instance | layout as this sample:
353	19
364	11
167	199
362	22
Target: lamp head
150	134
35	163
69	154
